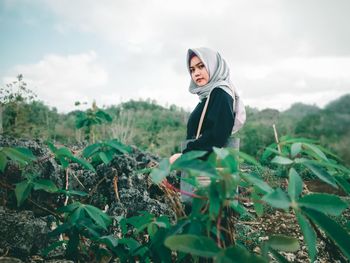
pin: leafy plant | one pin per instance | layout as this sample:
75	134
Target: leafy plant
20	155
81	221
65	156
24	188
90	118
104	151
312	210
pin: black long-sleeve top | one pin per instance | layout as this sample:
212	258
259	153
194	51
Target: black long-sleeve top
217	124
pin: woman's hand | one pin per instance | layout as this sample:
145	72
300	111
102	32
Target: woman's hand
173	158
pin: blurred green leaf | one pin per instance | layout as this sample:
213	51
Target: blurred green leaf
322	174
295	149
3	162
316	150
295	184
333	230
277	199
325	203
283	243
257	182
22	191
46	185
193	244
159	174
281	160
98	216
238	254
249	159
309	235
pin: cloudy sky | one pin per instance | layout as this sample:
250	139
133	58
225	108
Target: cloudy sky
279	51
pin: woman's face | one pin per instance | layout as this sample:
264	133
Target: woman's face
199	73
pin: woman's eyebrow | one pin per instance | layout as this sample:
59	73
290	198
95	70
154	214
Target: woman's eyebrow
196	64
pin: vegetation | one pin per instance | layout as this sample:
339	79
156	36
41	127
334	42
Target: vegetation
207	230
160	130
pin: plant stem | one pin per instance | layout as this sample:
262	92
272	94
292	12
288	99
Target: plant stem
218	226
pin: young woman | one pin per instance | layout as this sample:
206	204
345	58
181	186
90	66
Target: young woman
210	78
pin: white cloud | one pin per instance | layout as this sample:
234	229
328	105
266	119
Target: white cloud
62	80
279	51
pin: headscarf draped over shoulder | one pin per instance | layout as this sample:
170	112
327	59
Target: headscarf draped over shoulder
219	72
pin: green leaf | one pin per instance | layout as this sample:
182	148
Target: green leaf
16	155
189	156
269	151
109	240
193	244
152	229
333	230
257	182
46	185
221	153
278	256
295	184
91	149
343	184
69	208
115	144
325	203
249	159
295	149
104	115
63	162
214	201
3	162
83	163
309	235
77	215
71	192
64	152
98	216
277	199
287	139
322	174
45	252
238	254
281	160
235	205
259	208
316	150
159	174
28	154
22	191
198	167
104	157
283	243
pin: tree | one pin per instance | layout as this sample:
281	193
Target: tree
16	94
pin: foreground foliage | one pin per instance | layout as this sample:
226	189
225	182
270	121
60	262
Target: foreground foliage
208	230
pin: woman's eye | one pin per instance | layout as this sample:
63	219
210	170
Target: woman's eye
201	66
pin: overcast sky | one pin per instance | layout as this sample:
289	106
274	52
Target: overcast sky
279	51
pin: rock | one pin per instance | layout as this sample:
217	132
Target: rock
22	233
10	260
257	250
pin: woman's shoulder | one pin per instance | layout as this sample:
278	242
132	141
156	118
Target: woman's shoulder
220	93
